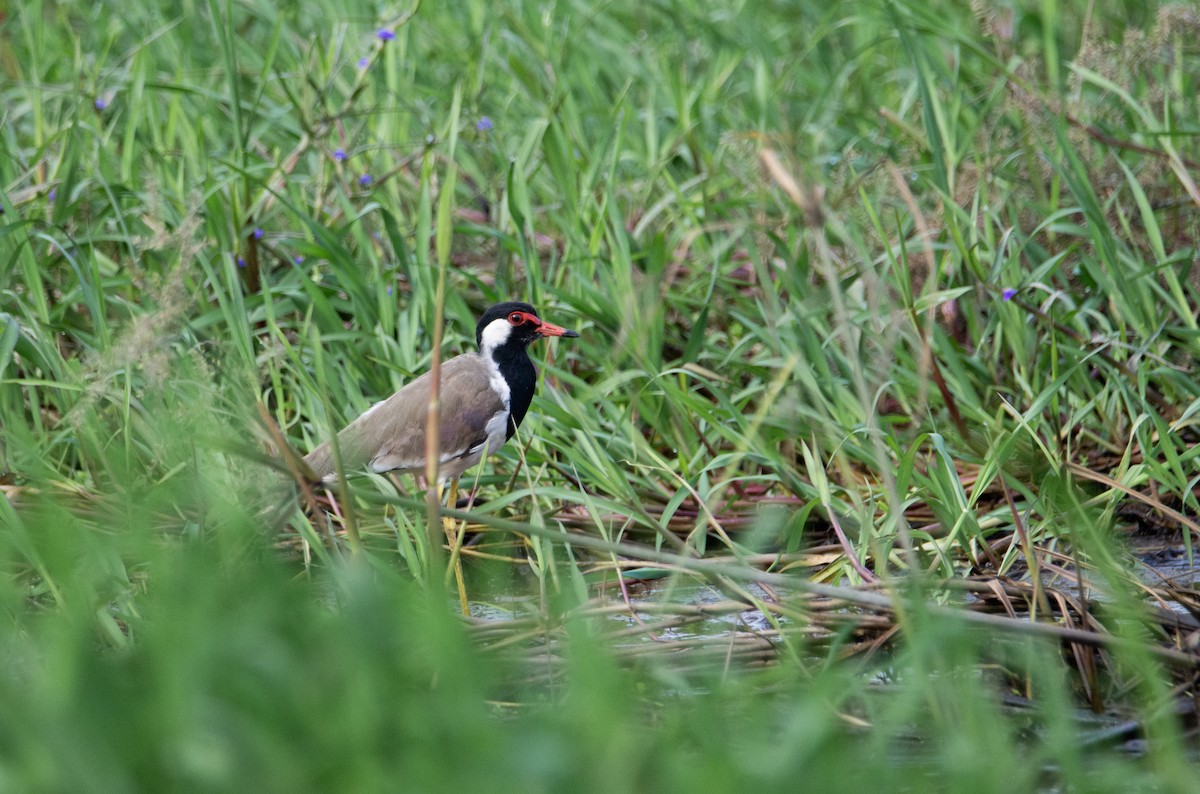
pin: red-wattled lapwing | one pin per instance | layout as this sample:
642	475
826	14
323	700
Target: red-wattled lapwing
484	396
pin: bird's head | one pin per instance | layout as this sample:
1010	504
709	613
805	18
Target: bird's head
513	324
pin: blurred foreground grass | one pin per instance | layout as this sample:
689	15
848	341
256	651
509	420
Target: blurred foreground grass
885	397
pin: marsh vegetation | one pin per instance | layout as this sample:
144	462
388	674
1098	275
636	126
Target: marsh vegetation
874	467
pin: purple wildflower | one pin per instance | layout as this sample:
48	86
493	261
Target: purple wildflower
364	62
484	124
364	180
241	262
100	103
339	154
299	260
52	195
258	234
385	35
1008	293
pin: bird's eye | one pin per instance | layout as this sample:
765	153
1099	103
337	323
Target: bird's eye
516	318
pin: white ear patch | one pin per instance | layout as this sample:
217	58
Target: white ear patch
495	334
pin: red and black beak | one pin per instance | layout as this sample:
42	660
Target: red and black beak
550	329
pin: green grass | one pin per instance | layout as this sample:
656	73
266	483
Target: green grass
888	318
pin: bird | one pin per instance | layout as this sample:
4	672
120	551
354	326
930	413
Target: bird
484	396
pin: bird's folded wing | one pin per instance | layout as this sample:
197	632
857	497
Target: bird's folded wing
391	435
468	407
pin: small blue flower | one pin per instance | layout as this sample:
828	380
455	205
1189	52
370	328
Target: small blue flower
390	290
258	234
1008	293
339	154
364	62
484	124
100	103
241	262
385	35
53	194
364	180
299	260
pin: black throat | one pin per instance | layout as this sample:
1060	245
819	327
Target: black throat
521	375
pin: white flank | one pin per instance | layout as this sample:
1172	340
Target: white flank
497	430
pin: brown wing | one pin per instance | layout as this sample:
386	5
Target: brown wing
391	435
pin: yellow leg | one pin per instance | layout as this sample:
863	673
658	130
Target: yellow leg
452	501
452	538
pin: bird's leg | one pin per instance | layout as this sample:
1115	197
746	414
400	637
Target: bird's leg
451	502
450	526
